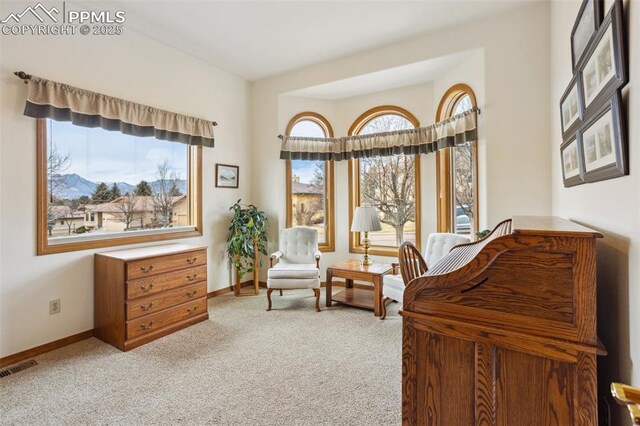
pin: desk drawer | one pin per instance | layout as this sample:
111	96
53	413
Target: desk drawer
153	322
159	283
158	265
167	299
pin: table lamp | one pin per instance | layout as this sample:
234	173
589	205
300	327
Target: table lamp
366	219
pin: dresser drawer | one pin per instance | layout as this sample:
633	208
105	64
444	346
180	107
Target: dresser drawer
158	283
158	265
149	323
167	299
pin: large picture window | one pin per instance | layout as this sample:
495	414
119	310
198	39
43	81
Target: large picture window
390	184
457	171
310	183
101	188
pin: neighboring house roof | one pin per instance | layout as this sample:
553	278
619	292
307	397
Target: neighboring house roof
141	204
304	188
64	212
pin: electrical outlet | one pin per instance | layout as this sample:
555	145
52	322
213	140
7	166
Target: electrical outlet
54	306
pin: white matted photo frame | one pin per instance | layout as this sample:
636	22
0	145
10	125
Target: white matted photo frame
604	69
572	171
571	108
603	142
227	176
586	24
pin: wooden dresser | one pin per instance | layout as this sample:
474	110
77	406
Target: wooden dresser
146	293
502	331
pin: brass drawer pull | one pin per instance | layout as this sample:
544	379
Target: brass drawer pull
146	288
146	269
191	260
146	308
192	293
192	277
192	310
147	326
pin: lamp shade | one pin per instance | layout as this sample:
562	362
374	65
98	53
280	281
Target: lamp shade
366	219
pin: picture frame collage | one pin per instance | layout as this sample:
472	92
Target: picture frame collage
592	115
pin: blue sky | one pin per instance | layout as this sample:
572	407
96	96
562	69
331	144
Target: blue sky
304	169
310	129
104	156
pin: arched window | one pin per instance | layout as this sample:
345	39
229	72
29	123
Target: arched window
310	183
390	184
457	170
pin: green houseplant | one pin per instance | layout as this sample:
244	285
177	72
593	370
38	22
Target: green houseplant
247	239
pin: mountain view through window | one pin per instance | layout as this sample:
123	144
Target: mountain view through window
103	182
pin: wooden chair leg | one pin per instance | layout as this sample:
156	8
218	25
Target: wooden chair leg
280	292
316	292
384	308
269	290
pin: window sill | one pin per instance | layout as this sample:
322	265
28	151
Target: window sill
86	242
325	248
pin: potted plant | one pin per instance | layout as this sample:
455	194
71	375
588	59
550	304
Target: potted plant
247	239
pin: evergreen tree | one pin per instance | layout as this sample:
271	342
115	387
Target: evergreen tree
102	194
84	199
143	189
174	191
115	192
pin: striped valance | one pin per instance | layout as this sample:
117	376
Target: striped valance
61	102
457	130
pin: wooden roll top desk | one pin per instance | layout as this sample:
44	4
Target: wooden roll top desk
502	331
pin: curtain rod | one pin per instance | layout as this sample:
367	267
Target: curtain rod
26	77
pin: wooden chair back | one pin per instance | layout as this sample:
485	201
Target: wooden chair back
412	264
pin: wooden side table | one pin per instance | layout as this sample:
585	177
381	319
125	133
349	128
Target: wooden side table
362	298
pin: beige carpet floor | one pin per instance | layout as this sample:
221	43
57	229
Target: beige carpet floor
245	366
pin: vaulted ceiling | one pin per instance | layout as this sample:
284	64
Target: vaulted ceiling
257	39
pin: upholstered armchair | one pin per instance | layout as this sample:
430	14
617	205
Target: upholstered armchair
438	245
298	264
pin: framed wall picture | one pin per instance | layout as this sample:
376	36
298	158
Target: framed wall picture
605	67
587	22
571	108
227	176
603	142
571	168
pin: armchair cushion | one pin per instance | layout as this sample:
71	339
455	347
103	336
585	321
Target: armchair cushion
293	271
393	287
298	245
440	244
288	283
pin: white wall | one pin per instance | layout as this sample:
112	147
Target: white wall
612	206
471	72
514	122
131	67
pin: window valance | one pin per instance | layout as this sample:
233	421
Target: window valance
61	102
457	130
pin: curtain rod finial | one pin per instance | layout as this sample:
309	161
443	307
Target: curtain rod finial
23	75
215	123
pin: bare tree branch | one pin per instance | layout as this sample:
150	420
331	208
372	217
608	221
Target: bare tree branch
127	209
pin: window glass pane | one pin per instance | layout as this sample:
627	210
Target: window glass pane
388	184
463	195
102	182
463	105
308	187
